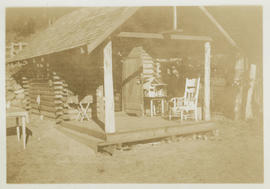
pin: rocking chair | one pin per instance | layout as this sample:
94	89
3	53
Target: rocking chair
186	106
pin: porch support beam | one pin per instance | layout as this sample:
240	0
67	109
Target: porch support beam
141	35
161	36
108	89
190	37
174	18
219	27
207	77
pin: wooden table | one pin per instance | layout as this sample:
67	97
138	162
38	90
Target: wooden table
152	107
19	112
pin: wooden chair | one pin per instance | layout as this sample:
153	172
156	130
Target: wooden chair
72	103
186	106
84	106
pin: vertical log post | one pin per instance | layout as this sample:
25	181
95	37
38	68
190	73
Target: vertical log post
238	83
252	78
58	97
25	85
108	90
207	70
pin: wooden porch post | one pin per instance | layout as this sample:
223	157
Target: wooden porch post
108	90
207	70
174	18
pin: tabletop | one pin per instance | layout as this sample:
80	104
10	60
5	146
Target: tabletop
14	112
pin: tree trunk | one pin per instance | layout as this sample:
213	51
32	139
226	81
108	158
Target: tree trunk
252	77
238	83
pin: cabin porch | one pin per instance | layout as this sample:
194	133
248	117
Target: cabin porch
131	129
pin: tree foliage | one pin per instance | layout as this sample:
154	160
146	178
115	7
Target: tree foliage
24	27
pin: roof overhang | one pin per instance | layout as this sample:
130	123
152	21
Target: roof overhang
163	36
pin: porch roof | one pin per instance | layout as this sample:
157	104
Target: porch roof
89	26
93	25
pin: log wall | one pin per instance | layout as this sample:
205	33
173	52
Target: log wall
25	85
48	102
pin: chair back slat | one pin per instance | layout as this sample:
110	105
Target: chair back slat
189	102
191	92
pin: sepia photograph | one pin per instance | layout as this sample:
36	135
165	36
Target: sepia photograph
134	94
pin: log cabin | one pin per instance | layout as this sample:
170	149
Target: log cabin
108	53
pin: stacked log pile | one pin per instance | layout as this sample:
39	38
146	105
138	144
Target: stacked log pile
151	69
65	104
58	88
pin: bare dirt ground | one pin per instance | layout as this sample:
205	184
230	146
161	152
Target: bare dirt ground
235	156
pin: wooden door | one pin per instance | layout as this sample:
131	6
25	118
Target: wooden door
132	91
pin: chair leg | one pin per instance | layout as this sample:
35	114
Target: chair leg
182	115
151	108
154	108
78	115
82	116
196	114
85	115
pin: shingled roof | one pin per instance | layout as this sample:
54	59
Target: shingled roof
84	26
93	25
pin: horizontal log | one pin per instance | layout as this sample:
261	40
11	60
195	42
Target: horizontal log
57	83
46	93
46	87
148	66
45	108
24	83
44	113
48	110
69	117
56	78
74	111
147	60
58	87
59	113
56	102
46	97
41	89
39	82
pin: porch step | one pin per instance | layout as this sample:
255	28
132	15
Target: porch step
84	139
89	128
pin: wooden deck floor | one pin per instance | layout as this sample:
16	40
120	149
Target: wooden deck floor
130	129
126	123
